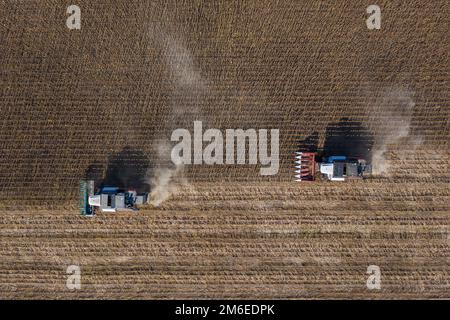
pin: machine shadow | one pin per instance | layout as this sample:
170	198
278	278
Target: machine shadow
128	169
348	138
310	143
344	138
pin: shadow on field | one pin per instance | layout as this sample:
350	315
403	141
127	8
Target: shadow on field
345	138
310	143
348	138
127	169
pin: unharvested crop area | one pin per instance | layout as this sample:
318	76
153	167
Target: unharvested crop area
105	99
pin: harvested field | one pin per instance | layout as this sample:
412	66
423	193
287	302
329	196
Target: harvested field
103	99
238	241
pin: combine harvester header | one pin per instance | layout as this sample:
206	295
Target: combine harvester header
108	199
332	168
305	166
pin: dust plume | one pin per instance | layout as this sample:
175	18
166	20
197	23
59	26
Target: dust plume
164	184
181	63
187	80
166	178
391	116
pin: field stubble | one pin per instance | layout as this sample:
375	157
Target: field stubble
271	240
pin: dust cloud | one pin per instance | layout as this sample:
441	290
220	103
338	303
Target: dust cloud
166	178
164	184
391	116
